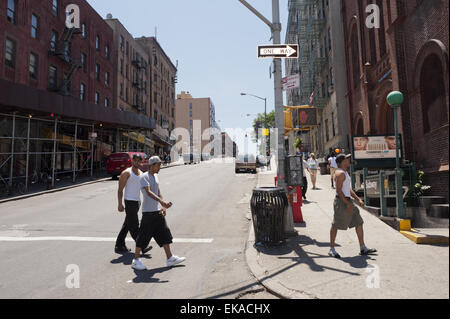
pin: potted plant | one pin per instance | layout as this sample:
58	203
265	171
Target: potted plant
419	190
298	144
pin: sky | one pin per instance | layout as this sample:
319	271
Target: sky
215	43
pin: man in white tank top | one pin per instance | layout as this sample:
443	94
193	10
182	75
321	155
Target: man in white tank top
346	214
130	182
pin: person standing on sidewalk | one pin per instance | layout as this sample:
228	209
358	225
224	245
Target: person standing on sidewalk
130	181
346	214
313	168
153	223
332	165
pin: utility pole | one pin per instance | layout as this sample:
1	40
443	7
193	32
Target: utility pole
275	27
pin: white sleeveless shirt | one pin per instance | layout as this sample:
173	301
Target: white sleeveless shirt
133	187
347	185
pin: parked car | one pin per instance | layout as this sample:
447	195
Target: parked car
245	163
118	162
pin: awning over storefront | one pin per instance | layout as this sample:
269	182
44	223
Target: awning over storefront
17	96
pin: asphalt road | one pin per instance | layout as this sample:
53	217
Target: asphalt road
209	221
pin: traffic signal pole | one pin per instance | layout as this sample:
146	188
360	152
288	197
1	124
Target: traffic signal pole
275	27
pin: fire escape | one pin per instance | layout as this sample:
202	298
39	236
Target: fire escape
139	84
62	50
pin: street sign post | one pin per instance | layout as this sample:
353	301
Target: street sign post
288	51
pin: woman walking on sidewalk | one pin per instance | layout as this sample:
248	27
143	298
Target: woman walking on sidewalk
346	214
313	167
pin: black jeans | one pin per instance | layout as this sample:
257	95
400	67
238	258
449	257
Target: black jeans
131	223
305	186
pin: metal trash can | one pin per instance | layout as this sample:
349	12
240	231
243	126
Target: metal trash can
324	168
269	205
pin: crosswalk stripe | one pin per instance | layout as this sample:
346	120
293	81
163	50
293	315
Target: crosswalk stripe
98	239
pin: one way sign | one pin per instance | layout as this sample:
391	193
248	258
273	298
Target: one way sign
289	51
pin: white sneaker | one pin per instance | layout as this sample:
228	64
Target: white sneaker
175	260
138	265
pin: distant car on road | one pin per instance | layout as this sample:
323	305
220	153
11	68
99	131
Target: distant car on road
245	163
118	162
191	159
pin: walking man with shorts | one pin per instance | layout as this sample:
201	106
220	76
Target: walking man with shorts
130	182
153	223
346	214
332	165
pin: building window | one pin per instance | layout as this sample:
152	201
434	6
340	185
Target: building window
10	53
327	135
128	48
332	125
190	106
155	97
107	79
83	62
11	11
155	115
97	72
83	31
121	66
34	26
97	43
97	98
190	113
53	39
107	52
55	7
121	43
106	102
432	93
33	68
121	90
355	59
82	92
52	77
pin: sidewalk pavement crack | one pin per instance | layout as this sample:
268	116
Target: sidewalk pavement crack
299	291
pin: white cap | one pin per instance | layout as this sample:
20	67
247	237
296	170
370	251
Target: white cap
154	159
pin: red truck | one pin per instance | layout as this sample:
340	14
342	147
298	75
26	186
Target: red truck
119	162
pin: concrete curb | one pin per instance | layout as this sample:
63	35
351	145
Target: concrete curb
263	275
64	188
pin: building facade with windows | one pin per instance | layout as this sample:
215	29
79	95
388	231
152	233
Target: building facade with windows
56	92
409	53
316	26
163	77
197	115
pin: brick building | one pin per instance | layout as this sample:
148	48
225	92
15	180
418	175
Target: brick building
56	91
409	52
163	77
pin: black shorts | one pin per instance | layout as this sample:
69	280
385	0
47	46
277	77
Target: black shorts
153	225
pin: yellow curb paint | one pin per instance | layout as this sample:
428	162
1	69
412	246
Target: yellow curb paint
423	239
405	225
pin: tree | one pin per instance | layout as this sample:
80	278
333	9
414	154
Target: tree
258	123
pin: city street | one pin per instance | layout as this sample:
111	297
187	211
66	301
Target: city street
209	221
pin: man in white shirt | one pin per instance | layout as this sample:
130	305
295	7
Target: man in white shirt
346	214
332	165
129	182
153	223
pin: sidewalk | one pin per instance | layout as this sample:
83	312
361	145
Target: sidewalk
303	269
68	184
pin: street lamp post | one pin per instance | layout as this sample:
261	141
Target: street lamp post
395	99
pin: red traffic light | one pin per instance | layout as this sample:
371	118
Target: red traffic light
52	115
